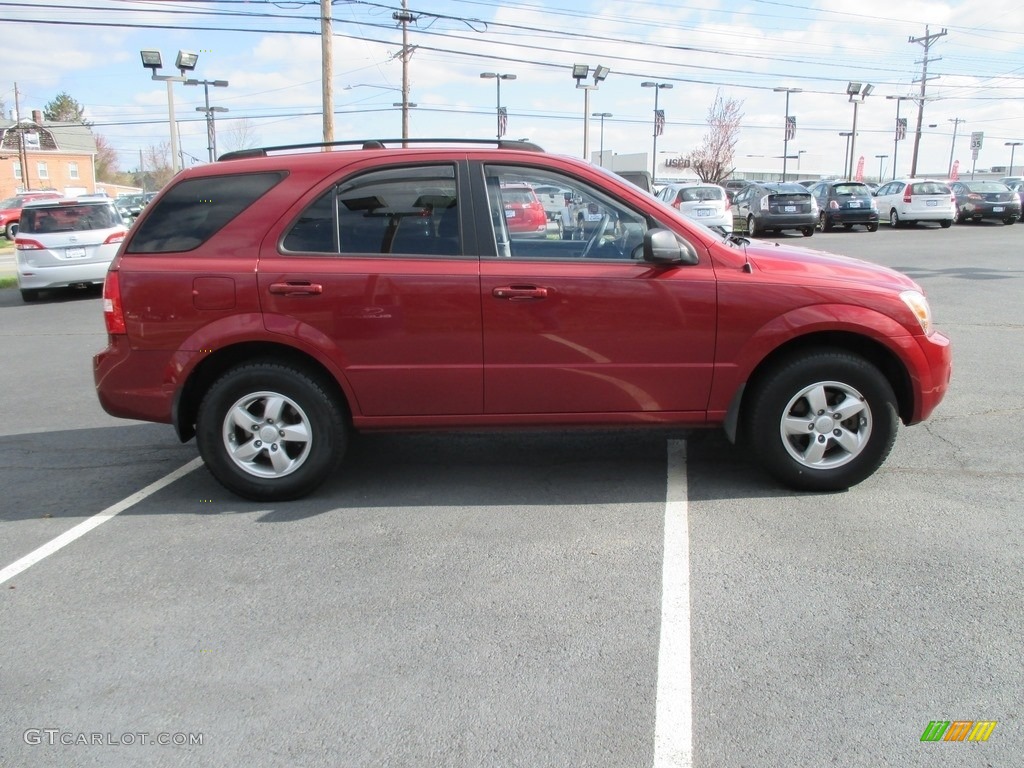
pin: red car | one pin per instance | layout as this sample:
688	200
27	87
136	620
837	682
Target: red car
270	303
524	212
10	209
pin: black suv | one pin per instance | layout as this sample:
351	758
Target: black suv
845	203
774	206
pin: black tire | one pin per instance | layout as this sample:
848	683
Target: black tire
946	223
872	227
959	218
824	223
1010	220
894	219
847	227
290	467
866	427
11	231
29	294
807	231
752	226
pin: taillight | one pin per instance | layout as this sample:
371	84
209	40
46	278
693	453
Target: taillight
728	204
906	194
113	311
764	203
117	237
833	204
24	244
975	196
675	203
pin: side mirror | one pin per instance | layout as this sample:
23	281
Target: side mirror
662	246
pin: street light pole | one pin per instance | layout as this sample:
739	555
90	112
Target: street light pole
657	87
498	77
602	115
580	73
1012	145
880	159
785	135
952	147
854	90
846	153
186	62
896	133
211	131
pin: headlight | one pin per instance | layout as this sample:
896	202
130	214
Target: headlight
918	304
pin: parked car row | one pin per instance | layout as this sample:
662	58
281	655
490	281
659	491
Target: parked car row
760	207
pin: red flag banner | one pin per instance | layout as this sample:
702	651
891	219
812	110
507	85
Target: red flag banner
659	122
860	169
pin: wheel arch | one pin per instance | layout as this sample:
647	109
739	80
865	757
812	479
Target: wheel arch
883	358
213	366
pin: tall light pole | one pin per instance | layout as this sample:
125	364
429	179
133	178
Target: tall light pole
846	154
880	159
901	129
186	62
857	94
659	121
498	77
952	147
580	72
211	130
1012	145
788	133
603	115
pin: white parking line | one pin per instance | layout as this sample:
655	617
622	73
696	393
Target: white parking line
673	719
99	518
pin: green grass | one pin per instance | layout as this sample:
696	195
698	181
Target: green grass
8	282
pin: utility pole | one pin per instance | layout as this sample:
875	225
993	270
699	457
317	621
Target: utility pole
925	41
327	54
22	152
404	17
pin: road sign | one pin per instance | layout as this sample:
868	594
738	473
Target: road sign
976	139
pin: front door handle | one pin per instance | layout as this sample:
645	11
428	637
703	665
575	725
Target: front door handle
520	292
297	288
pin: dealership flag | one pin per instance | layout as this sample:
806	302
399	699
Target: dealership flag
502	121
659	122
901	129
790	128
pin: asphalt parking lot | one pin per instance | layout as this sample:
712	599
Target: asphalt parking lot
513	600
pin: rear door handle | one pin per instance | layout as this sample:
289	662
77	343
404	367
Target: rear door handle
297	288
520	292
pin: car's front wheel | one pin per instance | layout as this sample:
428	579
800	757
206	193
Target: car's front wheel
270	432
824	223
821	421
11	231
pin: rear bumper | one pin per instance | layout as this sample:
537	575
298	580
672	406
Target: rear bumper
132	384
62	275
867	216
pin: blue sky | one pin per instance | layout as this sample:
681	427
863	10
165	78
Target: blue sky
270	54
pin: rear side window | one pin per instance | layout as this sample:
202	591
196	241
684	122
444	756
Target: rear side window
409	211
192	212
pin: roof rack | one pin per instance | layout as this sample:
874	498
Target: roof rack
527	146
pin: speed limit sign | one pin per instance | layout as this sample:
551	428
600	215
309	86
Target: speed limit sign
976	139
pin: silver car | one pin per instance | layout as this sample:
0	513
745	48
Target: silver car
906	201
66	243
706	203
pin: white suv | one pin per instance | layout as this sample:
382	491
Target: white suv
66	243
906	201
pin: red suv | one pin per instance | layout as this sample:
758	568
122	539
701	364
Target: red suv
10	209
273	301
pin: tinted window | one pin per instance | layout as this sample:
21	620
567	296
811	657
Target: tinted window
192	212
69	218
929	188
852	189
410	211
701	193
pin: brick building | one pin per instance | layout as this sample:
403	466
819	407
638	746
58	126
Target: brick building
37	155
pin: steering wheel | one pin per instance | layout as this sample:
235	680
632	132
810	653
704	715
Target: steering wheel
601	228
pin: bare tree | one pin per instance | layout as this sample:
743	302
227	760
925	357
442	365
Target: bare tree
241	135
156	162
713	159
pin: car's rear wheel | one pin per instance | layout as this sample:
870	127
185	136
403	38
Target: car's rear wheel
894	219
872	227
29	294
807	231
822	421
847	227
946	223
752	227
11	230
1009	220
270	432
